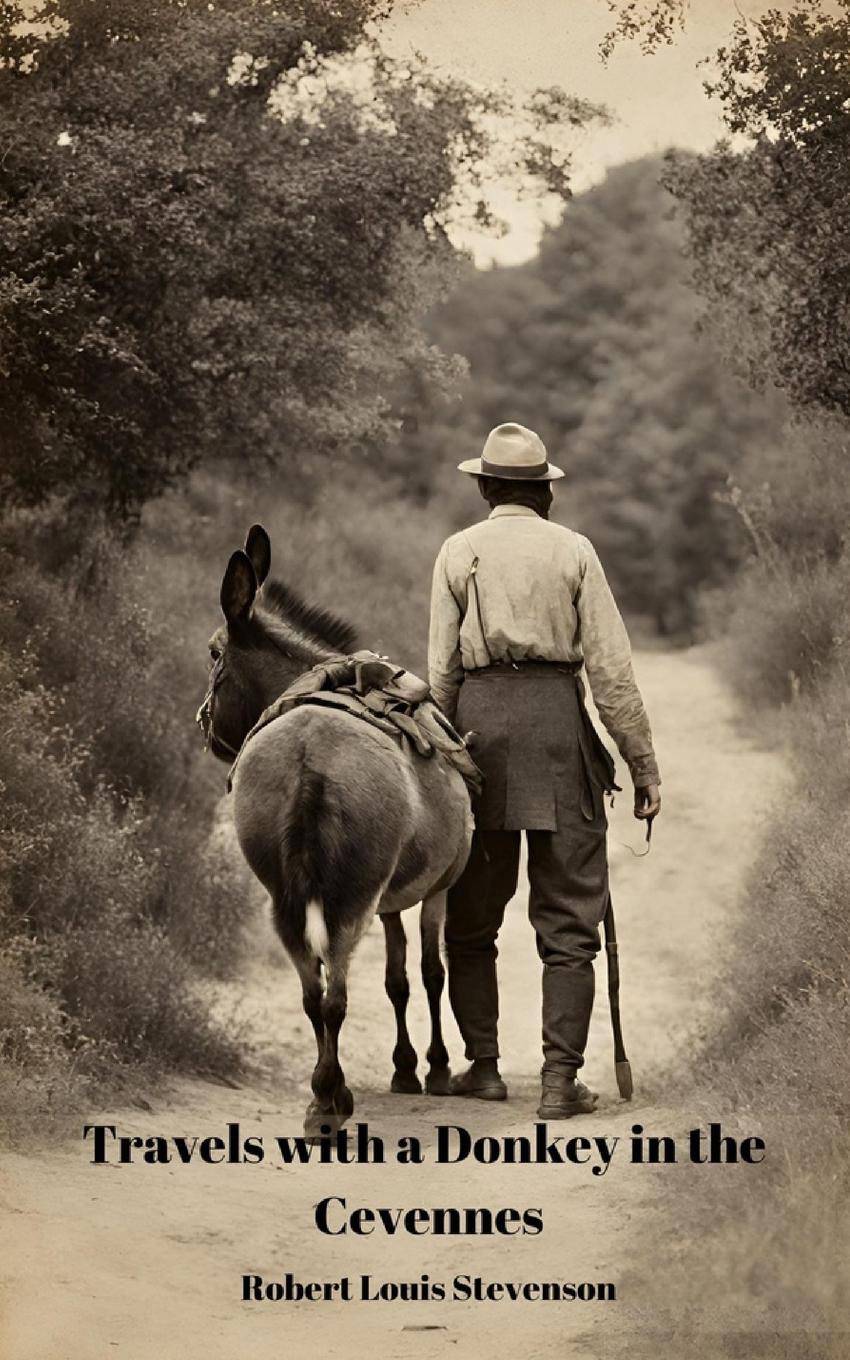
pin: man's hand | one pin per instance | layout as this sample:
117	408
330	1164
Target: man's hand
647	802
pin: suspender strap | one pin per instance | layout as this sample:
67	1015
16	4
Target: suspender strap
472	584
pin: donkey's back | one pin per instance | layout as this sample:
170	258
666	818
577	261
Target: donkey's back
339	820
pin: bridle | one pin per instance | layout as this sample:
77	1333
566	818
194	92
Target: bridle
205	715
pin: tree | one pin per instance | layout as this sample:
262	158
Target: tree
769	225
593	344
218	222
653	22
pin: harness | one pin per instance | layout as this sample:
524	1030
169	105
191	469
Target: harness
370	688
205	714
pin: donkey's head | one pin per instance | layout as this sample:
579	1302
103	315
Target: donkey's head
268	638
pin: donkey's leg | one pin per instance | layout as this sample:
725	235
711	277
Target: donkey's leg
405	1080
309	970
333	1101
431	920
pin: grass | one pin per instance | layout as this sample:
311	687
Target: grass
754	1265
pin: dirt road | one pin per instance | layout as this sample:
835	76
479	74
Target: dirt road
145	1262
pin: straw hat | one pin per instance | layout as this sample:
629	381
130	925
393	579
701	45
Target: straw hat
515	453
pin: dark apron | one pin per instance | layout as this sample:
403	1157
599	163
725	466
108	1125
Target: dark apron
544	763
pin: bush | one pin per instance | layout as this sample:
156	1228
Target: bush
39	1081
110	892
126	985
790	626
779	1053
32	1027
784	1001
357	548
772	1244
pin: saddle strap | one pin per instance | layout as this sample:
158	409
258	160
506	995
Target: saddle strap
385	696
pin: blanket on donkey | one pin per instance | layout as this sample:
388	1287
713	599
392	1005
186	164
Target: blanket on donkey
384	695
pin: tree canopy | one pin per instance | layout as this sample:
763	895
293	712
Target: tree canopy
769	227
593	344
218	224
769	223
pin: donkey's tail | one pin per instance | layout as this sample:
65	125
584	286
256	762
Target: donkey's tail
316	930
332	866
299	908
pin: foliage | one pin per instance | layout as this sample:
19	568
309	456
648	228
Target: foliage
775	1057
39	1080
111	897
218	221
593	345
653	22
358	548
768	230
768	226
788	75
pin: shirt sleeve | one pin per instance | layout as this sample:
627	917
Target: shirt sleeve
608	661
445	668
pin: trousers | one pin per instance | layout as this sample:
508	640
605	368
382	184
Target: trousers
568	880
544	776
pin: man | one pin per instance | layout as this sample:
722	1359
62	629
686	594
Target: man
518	605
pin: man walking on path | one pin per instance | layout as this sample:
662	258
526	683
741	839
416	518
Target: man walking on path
518	606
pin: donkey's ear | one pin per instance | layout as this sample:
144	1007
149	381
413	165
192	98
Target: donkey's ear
238	588
258	546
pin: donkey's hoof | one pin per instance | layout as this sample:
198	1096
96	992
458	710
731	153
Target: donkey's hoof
406	1084
437	1081
319	1123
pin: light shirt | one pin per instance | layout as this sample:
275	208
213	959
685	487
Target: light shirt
543	597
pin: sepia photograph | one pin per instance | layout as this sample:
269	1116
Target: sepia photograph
424	624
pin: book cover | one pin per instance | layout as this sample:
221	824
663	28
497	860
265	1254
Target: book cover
448	404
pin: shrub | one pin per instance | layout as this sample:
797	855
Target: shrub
38	1081
785	991
109	891
790	626
787	618
772	1245
125	984
32	1026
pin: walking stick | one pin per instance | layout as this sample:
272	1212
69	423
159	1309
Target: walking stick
622	1066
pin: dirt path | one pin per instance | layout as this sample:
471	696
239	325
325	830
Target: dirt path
145	1262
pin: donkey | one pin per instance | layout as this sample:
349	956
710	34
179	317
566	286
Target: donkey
336	819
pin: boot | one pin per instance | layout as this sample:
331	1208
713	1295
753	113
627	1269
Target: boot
563	1096
480	1080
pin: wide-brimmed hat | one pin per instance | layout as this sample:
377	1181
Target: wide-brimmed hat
515	453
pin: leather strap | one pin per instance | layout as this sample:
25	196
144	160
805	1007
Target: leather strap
472	580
